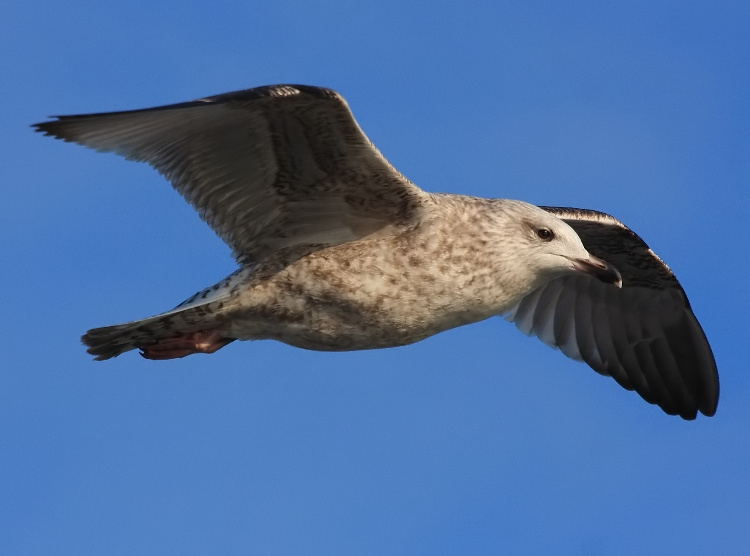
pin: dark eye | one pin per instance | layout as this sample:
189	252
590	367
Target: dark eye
545	234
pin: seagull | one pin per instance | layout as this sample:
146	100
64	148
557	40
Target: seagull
339	251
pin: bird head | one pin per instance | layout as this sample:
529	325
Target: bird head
544	247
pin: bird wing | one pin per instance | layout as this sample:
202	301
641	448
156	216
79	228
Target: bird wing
644	335
266	168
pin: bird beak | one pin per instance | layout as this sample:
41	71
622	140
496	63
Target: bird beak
596	267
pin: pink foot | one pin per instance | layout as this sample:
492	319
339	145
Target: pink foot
205	341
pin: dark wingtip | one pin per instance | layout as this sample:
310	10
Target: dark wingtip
52	128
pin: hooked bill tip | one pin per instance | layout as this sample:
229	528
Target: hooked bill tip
600	269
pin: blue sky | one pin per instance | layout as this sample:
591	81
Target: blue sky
476	441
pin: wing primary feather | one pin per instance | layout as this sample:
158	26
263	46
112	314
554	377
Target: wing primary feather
547	307
584	326
564	323
523	315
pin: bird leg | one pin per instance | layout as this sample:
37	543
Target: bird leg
204	341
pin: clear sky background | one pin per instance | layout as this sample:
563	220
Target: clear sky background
476	441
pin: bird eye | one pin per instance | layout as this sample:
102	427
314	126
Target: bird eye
545	234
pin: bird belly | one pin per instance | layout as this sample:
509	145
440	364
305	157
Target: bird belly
327	324
334	300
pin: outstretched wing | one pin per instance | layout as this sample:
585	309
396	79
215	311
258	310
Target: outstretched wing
644	335
266	168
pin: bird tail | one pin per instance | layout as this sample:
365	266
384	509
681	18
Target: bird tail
110	341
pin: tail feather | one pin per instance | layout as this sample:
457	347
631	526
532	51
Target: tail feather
110	341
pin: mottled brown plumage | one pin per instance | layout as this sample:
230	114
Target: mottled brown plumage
339	251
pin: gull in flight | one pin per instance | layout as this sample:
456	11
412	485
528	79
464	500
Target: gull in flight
339	251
